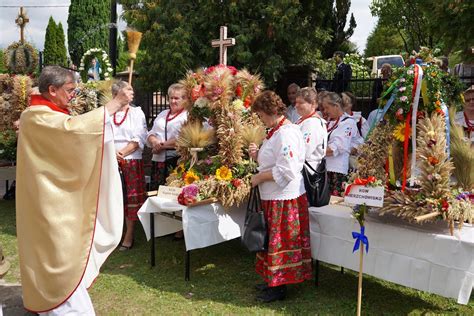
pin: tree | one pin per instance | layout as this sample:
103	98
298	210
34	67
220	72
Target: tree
61	52
383	41
50	42
336	19
453	20
177	36
88	23
122	56
3	69
408	19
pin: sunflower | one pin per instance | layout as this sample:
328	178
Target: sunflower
190	177
223	173
179	170
399	132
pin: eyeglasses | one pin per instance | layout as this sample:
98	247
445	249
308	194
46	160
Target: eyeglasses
469	100
70	91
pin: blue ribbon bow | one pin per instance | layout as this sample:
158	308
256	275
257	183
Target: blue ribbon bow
360	237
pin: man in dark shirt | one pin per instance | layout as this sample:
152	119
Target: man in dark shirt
343	73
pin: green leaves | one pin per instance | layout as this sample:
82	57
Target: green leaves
178	34
87	27
54	44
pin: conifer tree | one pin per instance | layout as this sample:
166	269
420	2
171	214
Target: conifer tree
61	53
50	43
87	27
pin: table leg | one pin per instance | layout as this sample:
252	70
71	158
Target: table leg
186	275
152	233
6	186
316	274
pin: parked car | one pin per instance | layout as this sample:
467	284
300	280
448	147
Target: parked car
378	61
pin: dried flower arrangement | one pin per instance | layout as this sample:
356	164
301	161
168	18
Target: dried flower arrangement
221	125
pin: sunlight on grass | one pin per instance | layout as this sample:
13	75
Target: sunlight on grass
222	282
209	266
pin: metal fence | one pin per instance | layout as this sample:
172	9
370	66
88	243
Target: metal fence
152	103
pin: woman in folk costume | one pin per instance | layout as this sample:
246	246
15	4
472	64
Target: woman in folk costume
466	117
312	126
280	162
69	198
162	137
130	131
348	102
340	129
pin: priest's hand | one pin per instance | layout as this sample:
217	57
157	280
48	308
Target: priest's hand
123	97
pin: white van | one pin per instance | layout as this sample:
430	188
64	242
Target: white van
378	61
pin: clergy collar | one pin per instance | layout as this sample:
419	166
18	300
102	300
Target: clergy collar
38	99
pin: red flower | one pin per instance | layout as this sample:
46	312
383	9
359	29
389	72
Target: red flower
247	102
433	160
420	115
444	205
236	182
181	199
238	90
232	69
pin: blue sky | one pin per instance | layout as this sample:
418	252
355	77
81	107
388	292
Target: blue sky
39	16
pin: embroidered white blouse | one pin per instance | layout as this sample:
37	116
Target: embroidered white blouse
358	138
315	137
172	130
133	129
284	155
339	140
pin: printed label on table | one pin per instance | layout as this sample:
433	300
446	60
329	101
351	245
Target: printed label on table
360	194
166	192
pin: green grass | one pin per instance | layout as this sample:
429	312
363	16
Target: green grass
222	279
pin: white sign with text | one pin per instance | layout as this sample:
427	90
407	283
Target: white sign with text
170	193
360	194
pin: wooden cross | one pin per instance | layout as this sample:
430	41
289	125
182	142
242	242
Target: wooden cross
21	20
223	42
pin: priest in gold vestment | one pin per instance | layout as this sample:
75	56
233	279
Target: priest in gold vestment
69	197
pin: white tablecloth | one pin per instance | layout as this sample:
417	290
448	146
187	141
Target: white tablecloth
424	257
203	225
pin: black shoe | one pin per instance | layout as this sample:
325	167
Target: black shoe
125	248
178	236
10	194
261	287
272	294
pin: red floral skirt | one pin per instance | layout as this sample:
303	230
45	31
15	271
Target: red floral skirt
134	176
288	259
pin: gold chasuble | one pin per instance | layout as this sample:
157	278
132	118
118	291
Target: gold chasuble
68	201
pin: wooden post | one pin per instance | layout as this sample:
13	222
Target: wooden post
359	287
131	72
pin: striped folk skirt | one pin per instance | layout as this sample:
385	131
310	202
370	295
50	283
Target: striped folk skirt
134	177
288	259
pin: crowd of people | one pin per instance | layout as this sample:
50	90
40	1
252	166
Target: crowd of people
316	125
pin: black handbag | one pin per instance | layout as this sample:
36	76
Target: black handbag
255	236
316	184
